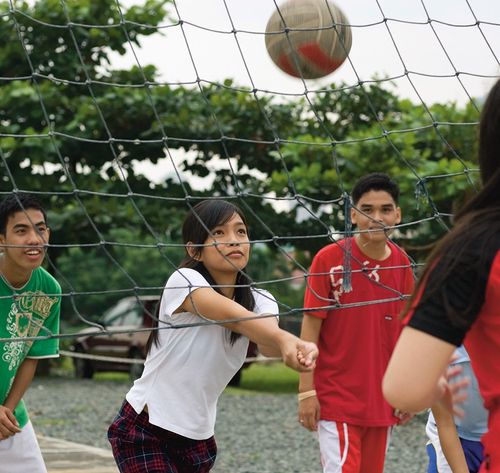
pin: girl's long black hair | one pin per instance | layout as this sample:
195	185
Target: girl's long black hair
477	224
199	222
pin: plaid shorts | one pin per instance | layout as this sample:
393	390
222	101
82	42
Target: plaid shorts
139	446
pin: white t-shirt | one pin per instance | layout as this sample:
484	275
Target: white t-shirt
185	373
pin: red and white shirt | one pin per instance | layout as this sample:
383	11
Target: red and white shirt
359	329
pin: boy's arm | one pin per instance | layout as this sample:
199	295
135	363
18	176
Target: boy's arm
448	438
24	375
21	382
309	408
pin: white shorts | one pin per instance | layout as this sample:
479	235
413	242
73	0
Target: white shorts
21	453
347	448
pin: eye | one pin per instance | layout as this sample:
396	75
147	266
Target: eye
242	231
217	232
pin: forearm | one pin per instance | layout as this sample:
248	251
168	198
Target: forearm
269	351
310	330
21	382
306	382
263	330
448	438
452	450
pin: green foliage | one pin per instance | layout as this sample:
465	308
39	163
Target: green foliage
272	378
99	276
269	377
273	272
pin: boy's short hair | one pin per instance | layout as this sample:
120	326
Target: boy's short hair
18	202
376	181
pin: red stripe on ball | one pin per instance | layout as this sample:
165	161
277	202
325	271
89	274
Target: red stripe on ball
285	64
313	53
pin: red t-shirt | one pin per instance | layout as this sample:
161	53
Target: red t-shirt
356	341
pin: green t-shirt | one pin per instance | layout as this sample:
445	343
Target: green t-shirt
30	311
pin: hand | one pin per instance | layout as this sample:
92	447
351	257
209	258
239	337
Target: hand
8	423
309	413
453	389
298	354
307	354
403	417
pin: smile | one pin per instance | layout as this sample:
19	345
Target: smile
33	252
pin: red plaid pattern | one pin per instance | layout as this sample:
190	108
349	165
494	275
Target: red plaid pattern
139	446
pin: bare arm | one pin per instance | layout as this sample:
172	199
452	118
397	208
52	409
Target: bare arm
448	437
309	408
265	331
270	350
413	379
24	376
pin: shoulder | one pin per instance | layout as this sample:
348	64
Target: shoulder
476	259
49	282
333	250
485	245
397	251
186	278
262	294
264	302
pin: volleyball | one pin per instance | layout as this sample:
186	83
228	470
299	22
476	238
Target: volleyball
308	38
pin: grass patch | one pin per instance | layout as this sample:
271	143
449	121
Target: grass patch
272	378
119	376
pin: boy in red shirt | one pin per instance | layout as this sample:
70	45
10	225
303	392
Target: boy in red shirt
356	332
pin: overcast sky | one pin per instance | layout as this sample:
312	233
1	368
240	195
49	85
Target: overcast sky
469	49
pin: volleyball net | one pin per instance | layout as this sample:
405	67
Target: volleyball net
121	116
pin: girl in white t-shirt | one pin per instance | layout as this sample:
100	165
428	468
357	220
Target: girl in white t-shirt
166	423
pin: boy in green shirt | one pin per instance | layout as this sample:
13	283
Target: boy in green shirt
30	300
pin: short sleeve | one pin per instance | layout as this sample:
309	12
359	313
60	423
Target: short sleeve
318	292
430	314
48	348
265	303
180	284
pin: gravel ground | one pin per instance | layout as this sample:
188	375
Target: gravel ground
255	433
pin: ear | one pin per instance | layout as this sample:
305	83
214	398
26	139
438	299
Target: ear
192	251
398	215
354	215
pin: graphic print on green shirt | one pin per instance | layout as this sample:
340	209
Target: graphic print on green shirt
30	311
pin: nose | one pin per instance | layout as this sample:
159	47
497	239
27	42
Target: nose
35	238
233	242
232	239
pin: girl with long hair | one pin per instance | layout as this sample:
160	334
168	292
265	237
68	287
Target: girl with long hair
207	316
458	299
